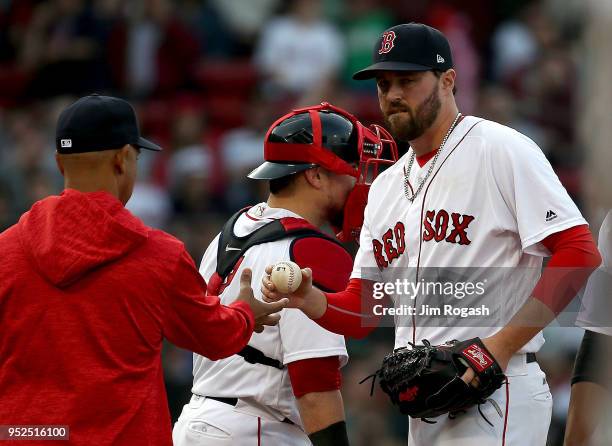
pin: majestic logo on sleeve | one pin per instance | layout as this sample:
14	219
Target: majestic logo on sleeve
442	226
392	246
387	42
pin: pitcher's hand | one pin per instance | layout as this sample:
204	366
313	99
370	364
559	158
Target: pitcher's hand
307	298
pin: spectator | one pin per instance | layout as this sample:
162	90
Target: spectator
152	52
208	26
244	20
365	21
191	167
457	26
151	204
514	47
190	181
7	213
242	151
497	103
63	45
299	51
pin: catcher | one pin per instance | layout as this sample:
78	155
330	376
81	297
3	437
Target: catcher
283	388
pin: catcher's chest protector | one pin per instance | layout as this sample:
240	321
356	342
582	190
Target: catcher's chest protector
231	248
230	253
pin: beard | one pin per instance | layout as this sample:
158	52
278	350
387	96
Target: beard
406	124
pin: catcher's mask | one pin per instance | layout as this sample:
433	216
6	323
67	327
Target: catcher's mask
330	137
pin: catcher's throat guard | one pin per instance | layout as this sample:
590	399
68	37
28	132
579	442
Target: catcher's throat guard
377	150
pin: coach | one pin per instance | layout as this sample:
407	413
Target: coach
88	293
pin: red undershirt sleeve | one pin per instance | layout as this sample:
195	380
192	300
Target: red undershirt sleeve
315	375
574	258
352	312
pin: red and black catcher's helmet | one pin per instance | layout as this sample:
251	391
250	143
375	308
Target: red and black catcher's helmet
330	137
321	135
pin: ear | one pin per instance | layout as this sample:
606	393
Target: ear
448	80
314	177
58	161
120	160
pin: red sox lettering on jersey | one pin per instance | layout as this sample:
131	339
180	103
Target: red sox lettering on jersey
438	226
392	246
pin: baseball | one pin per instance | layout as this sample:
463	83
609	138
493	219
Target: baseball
286	276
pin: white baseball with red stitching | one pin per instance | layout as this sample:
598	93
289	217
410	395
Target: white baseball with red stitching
286	276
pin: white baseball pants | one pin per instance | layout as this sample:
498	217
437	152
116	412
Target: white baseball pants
525	404
205	421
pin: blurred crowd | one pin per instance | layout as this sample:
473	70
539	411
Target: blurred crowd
209	76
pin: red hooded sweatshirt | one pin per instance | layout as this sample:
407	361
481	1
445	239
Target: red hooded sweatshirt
87	294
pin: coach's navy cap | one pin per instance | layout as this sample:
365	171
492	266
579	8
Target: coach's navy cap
409	47
95	123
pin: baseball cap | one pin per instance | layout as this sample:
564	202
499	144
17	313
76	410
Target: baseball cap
95	123
320	135
409	47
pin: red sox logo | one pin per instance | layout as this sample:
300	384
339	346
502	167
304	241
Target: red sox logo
409	394
387	42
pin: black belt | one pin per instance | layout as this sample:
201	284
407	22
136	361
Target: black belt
230	401
254	356
531	357
234	401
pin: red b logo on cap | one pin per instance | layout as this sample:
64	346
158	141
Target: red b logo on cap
387	42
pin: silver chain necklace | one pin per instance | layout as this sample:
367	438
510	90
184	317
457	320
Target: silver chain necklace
407	188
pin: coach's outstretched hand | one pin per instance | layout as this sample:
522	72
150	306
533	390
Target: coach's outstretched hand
307	297
265	313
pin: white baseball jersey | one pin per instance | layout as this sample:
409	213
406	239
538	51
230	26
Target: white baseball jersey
596	311
267	389
490	199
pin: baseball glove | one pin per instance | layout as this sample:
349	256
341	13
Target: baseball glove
425	381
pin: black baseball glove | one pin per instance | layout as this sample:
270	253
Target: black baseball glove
425	381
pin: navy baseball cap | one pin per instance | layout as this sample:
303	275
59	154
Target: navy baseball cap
409	47
95	123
